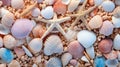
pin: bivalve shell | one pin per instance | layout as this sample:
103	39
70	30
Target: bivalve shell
4	30
116	12
90	51
116	22
35	12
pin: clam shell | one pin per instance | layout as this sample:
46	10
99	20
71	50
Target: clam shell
90	51
17	4
116	12
27	51
54	62
116	22
99	62
65	58
111	63
35	12
14	63
86	38
4	30
1	42
116	44
53	45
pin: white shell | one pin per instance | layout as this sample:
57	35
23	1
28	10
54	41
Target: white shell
73	5
27	51
35	12
17	4
14	63
50	2
86	38
1	42
3	12
66	58
66	2
116	41
71	34
53	45
98	2
35	45
116	22
84	59
4	30
111	63
108	6
47	13
90	51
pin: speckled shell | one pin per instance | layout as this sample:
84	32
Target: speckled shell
54	62
14	63
4	30
111	63
90	51
116	12
116	44
53	45
17	4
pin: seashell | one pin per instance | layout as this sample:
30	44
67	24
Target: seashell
6	2
116	12
28	39
65	58
48	12
105	45
50	2
19	52
38	59
3	65
73	5
3	12
8	19
99	61
107	28
59	7
51	47
34	65
108	6
111	63
118	55
75	49
39	1
111	55
20	42
1	42
86	38
6	55
98	2
116	41
117	2
91	2
4	30
27	51
54	62
116	22
34	23
35	12
9	41
17	4
35	45
95	22
84	59
73	62
21	28
71	34
14	63
66	2
90	51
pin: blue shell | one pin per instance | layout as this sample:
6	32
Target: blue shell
99	62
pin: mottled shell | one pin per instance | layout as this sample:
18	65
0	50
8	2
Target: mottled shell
14	63
17	4
4	30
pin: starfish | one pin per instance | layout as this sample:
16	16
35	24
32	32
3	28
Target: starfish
54	23
81	15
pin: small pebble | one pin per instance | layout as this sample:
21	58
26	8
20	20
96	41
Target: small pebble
116	12
116	22
48	12
107	28
116	42
108	6
98	2
14	63
75	49
86	38
105	45
1	42
27	51
4	30
73	62
35	12
90	51
19	52
111	63
54	62
6	55
17	4
117	2
99	62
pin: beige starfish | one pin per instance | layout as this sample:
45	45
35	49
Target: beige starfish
54	23
81	15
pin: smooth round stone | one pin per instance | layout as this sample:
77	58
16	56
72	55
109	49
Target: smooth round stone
86	38
1	42
21	28
116	12
112	63
19	52
90	51
73	62
48	12
35	45
6	55
4	30
9	41
35	12
6	2
75	49
53	45
59	7
99	62
116	42
27	51
14	63
65	58
105	45
17	4
98	2
95	22
117	2
107	28
54	62
116	22
108	6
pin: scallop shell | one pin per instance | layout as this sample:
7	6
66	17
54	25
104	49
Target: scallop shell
4	30
35	12
111	63
117	42
116	12
116	22
14	63
54	62
53	45
17	4
1	42
27	51
90	51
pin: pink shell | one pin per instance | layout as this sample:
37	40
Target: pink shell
6	2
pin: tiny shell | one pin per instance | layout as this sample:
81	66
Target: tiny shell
71	34
107	28
54	62
35	12
1	42
27	51
17	4
9	41
50	2
73	62
84	59
65	58
53	45
116	44
19	52
66	2
48	12
35	45
116	12
90	51
116	22
117	2
111	63
4	30
105	45
98	2
108	6
39	1
3	11
14	63
95	22
86	38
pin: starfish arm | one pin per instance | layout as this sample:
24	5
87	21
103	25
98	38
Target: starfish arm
42	20
74	15
83	5
89	10
85	23
62	20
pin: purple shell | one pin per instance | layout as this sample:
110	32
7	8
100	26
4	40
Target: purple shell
21	28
